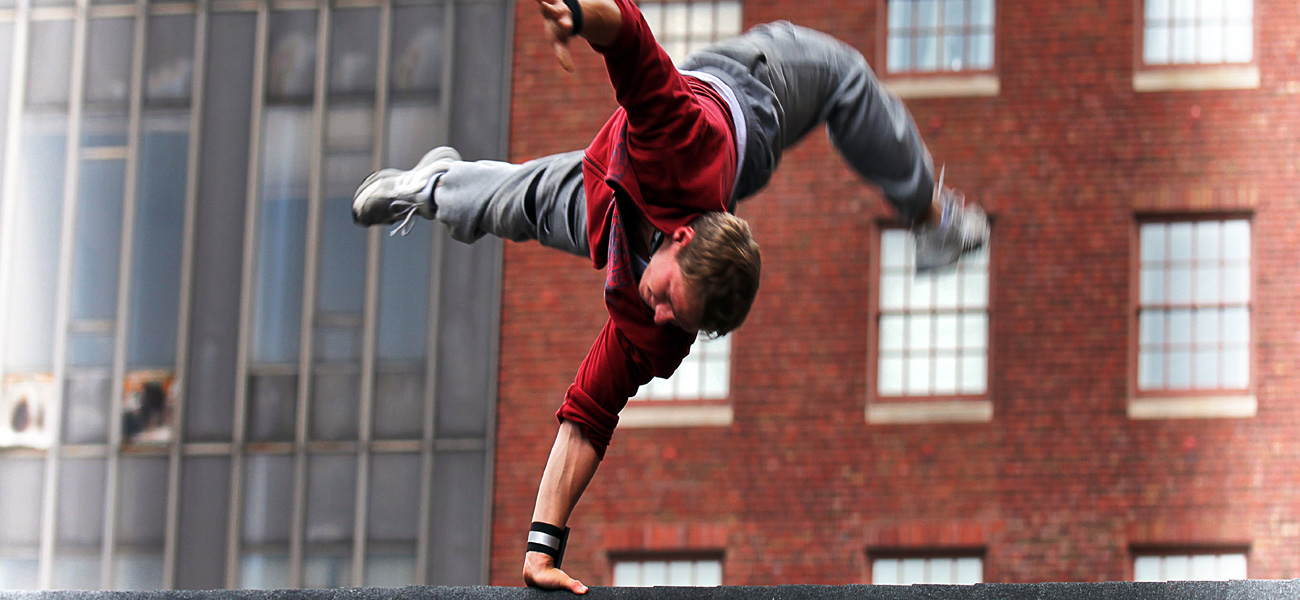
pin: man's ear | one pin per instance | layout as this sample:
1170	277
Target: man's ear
683	235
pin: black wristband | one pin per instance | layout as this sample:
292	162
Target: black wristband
576	10
548	539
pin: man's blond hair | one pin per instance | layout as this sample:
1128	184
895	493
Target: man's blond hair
722	265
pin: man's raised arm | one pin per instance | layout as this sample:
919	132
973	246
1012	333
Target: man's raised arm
596	20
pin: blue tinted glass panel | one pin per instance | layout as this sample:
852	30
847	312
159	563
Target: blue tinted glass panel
98	239
159	231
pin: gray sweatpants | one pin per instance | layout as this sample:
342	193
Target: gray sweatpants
788	80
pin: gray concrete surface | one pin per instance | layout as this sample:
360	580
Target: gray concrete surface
1226	590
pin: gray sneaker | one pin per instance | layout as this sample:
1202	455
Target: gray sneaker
393	195
962	228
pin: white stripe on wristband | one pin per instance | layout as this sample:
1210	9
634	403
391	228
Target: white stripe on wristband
544	539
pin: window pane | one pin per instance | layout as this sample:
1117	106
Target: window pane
399	404
1236	240
1151	327
1151	369
890	376
20	503
1232	566
327	568
390	569
159	229
1146	568
974	374
900	55
893	290
1236	283
50	54
272	405
201	540
292	62
975	330
417	50
1180	369
1180	285
281	235
918	375
1236	368
335	405
945	374
268	500
142	506
85	420
36	231
394	493
1206	370
1153	285
1238	44
138	571
982	51
404	296
81	506
331	498
1152	242
884	571
99	239
169	62
927	53
982	12
459	521
108	66
353	51
264	570
969	571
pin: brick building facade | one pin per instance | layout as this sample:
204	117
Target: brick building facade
1070	473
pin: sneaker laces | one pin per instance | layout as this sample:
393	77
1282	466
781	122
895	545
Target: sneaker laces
407	211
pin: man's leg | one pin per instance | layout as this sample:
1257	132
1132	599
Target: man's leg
541	200
792	79
796	79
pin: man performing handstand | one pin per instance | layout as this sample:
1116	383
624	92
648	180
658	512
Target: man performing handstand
650	201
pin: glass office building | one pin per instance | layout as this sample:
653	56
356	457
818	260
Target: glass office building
211	377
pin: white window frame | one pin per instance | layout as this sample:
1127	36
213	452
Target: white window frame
1210	565
938	82
1154	291
955	569
1201	71
677	572
903	298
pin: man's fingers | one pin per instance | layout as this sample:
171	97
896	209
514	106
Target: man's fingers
562	55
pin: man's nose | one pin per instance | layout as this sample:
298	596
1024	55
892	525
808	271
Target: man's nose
663	314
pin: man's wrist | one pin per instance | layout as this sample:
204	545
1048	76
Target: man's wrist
547	539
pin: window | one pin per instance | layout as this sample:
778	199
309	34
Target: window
705	374
685	26
939	36
209	300
1193	310
932	328
1189	567
1197	32
962	570
646	573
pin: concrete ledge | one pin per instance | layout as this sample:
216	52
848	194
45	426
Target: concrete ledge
945	86
1208	77
1183	590
660	415
1193	407
913	412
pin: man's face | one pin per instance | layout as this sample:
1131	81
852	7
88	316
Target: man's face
664	289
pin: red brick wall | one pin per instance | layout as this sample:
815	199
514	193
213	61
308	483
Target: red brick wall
1061	483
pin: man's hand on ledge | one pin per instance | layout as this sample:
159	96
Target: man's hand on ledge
540	572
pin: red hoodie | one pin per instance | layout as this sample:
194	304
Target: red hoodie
669	152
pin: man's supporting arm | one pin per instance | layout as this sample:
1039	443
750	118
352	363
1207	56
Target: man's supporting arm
569	469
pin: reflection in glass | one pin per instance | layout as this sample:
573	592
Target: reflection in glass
169	63
38	215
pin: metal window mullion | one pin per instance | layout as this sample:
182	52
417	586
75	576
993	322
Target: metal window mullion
123	293
9	193
428	458
246	294
186	293
309	291
379	138
63	303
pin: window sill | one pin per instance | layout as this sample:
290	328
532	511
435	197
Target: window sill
945	86
1193	407
1205	77
938	411
691	415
